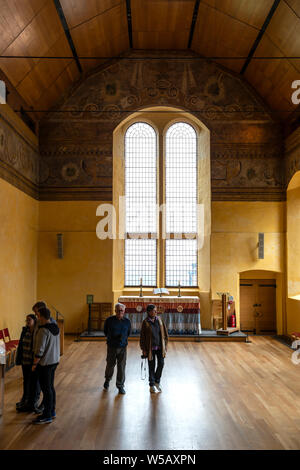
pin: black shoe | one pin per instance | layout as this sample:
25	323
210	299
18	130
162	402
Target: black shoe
20	403
39	409
121	390
106	385
24	408
42	420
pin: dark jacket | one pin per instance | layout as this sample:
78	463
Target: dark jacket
117	331
19	356
146	338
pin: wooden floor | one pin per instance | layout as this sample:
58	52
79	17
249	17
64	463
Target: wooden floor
215	396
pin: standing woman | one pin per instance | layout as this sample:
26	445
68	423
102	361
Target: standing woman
25	359
154	342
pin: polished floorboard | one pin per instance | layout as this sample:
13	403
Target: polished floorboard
215	396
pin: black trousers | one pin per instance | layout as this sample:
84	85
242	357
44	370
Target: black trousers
27	373
155	374
46	378
31	386
35	387
116	355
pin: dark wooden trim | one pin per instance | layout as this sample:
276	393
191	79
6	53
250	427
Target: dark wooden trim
260	35
129	22
248	194
19	132
65	26
41	193
10	175
105	194
193	23
75	194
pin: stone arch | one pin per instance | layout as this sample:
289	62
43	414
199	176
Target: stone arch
159	118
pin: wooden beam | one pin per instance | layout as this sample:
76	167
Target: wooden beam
129	22
65	26
259	36
193	24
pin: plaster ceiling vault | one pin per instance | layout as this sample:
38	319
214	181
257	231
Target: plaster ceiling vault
242	30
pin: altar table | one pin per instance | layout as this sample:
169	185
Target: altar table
180	314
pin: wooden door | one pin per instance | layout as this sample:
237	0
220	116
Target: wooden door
99	312
258	305
266	297
247	299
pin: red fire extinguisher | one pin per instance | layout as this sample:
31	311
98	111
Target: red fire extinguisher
232	320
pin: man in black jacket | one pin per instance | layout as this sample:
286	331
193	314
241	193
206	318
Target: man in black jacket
116	329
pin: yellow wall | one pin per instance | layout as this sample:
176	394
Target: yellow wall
293	315
234	239
32	271
86	267
18	255
293	254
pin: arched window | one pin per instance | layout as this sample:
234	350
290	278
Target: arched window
181	205
176	187
141	198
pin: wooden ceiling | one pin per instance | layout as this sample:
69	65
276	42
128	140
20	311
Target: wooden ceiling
108	28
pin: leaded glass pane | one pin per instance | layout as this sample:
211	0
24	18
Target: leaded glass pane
181	263
140	262
181	179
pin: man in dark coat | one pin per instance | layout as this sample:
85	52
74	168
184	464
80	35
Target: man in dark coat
117	328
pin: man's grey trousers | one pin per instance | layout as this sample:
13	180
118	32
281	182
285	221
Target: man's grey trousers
116	355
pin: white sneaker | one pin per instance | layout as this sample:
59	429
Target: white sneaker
153	389
158	387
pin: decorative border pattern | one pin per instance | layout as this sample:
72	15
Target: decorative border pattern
74	161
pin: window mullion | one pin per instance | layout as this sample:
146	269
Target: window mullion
161	222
